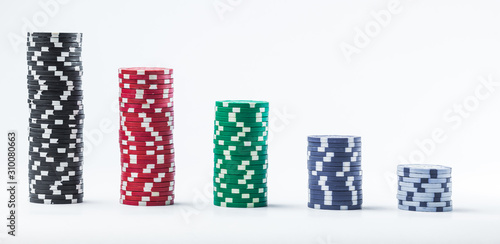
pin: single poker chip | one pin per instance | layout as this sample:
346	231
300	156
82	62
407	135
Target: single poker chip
424	180
315	182
147	198
240	205
147	152
55	108
55	140
146	189
146	87
240	153
237	157
332	198
55	58
239	199
240	191
424	169
240	162
222	176
51	78
239	138
424	194
333	149
148	170
55	102
148	148
56	192
425	185
240	129
145	71
147	180
248	186
333	207
56	127
147	112
56	97
221	168
242	104
426	209
426	204
155	113
241	110
146	143
140	163
329	179
139	203
424	190
58	136
423	199
47	163
335	174
55	123
146	101
333	139
55	178
240	115
54	49
57	93
57	39
222	196
146	138
240	181
240	124
251	120
146	82
54	168
149	175
240	143
57	159
54	63
55	187
55	182
54	44
53	54
240	134
56	197
147	184
318	165
70	148
146	106
55	68
334	159
56	131
334	154
74	155
147	91
336	193
54	34
336	188
146	120
53	88
334	169
146	194
430	176
50	201
144	77
161	132
335	203
239	172
147	124
55	173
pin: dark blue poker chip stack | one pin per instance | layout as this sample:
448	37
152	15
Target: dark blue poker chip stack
335	176
56	117
424	188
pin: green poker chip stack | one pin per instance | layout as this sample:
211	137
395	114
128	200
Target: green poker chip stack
240	153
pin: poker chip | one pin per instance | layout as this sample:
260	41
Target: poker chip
55	99
240	153
335	175
424	188
146	136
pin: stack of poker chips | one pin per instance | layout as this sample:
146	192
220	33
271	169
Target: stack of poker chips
56	117
240	153
335	176
424	188
146	139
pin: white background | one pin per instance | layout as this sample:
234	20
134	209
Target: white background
395	92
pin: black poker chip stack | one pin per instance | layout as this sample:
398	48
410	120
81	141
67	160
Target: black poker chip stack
56	117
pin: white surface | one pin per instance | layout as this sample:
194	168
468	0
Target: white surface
394	92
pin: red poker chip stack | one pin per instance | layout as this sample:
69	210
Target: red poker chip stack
146	139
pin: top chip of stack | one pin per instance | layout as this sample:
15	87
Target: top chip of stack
424	188
335	176
55	98
240	153
146	136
